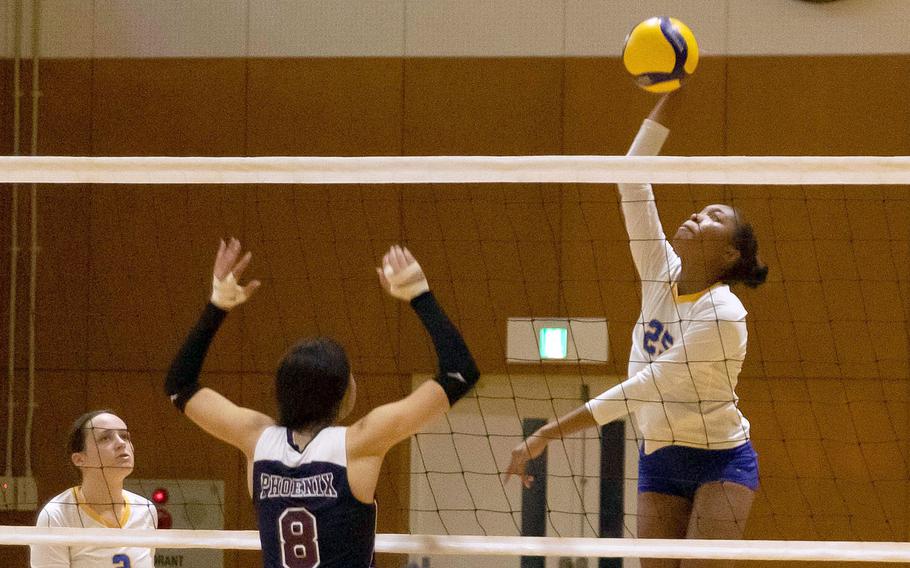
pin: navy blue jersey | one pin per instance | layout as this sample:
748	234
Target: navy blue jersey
307	514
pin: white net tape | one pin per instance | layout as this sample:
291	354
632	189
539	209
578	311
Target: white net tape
734	170
481	545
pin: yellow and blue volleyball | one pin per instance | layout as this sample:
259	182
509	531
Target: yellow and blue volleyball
660	52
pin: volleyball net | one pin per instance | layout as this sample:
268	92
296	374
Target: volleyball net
509	245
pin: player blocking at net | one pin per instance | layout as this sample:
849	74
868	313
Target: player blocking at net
697	469
313	482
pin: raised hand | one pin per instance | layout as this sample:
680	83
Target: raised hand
400	275
227	293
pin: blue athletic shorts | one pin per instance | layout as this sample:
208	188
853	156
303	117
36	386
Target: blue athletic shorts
680	470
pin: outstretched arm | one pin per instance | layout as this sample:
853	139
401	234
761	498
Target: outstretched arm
211	411
382	428
534	445
652	254
665	108
713	346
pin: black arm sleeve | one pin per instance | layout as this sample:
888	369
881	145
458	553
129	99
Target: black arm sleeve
457	371
182	380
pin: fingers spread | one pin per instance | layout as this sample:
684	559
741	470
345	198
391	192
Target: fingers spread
251	287
227	265
242	264
382	278
400	260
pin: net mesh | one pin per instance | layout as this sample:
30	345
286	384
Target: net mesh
125	269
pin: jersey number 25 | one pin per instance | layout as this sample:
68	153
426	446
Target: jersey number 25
297	528
657	340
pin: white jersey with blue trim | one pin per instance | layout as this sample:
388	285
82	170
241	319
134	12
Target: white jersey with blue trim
69	509
308	516
687	351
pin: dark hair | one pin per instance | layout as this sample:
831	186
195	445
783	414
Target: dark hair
76	438
747	269
310	383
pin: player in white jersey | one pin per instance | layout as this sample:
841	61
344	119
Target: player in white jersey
313	482
697	469
100	447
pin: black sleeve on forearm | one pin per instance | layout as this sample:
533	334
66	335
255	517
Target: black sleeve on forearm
457	371
182	380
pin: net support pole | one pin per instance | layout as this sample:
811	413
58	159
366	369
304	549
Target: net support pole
612	485
534	499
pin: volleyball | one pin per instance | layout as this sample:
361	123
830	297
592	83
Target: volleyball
660	52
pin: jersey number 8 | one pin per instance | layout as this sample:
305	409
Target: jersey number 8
297	528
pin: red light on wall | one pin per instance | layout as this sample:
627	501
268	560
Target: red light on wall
159	496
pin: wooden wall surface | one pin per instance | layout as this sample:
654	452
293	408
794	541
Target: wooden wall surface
123	271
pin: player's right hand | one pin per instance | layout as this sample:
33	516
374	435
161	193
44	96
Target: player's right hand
227	293
524	452
400	274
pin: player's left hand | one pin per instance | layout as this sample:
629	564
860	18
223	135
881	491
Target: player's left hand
227	293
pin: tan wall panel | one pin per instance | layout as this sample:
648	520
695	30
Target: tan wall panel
482	106
169	107
64	128
423	28
324	107
603	109
6	110
826	106
64	294
64	107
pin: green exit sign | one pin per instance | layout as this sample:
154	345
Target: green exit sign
553	342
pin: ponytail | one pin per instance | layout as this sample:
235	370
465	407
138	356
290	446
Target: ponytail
748	269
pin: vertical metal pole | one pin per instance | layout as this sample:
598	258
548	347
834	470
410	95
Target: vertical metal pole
33	257
534	500
14	239
582	562
612	485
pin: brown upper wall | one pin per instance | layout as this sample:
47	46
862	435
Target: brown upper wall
123	271
826	242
